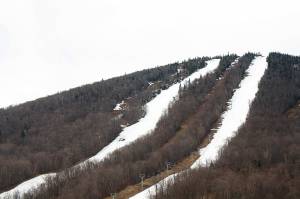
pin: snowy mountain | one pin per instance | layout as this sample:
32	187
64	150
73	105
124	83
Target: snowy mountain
209	127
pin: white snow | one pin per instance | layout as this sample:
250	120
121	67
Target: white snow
26	186
119	106
123	125
179	70
233	118
154	110
147	193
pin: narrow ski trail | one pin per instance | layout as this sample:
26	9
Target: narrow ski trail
232	119
154	110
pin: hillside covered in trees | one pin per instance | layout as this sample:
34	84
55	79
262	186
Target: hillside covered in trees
54	133
262	161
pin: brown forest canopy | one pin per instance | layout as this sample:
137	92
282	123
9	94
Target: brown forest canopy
262	161
55	132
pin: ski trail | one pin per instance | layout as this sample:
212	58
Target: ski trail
232	119
154	110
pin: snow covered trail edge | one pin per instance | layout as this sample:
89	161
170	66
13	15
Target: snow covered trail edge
232	119
154	110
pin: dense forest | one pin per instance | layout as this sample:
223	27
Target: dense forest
55	132
262	161
203	100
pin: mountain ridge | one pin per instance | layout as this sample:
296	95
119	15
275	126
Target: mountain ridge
148	154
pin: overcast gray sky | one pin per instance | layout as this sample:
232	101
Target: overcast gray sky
52	45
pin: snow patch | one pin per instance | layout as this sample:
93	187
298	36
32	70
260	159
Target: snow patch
124	125
179	70
119	107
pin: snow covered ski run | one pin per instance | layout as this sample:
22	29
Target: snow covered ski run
232	119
